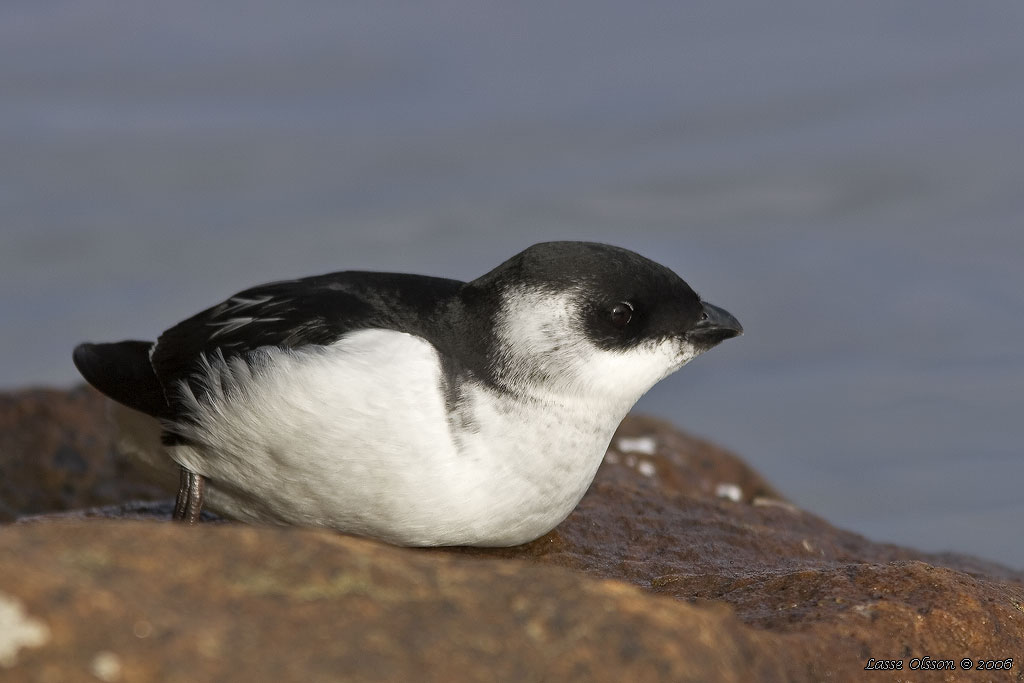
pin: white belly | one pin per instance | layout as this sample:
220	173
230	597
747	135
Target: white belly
357	437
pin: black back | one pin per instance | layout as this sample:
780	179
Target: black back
316	310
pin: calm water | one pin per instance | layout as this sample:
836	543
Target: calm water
847	178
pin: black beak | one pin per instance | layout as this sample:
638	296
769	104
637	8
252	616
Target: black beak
715	326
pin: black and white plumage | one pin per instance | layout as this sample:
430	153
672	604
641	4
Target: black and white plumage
417	410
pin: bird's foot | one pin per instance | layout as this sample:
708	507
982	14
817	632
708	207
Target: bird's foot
189	505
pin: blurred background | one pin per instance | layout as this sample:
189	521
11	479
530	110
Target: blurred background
847	178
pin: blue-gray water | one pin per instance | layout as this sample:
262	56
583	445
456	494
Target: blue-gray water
847	178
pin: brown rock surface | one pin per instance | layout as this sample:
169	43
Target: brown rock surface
730	582
56	453
229	602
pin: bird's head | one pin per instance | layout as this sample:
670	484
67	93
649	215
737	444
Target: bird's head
595	322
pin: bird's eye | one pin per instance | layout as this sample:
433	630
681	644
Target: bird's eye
621	314
703	315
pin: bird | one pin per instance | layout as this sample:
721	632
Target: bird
417	410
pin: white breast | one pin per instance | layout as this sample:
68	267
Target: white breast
543	456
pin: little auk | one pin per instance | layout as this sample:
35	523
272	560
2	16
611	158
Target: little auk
418	410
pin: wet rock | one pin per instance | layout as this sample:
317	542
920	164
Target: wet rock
681	563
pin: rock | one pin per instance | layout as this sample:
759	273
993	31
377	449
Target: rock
228	602
681	563
56	453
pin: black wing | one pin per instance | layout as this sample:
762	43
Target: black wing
315	310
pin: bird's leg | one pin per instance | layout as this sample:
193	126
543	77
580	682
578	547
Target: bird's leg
182	501
194	508
189	505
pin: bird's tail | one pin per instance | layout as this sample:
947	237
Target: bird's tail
123	372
